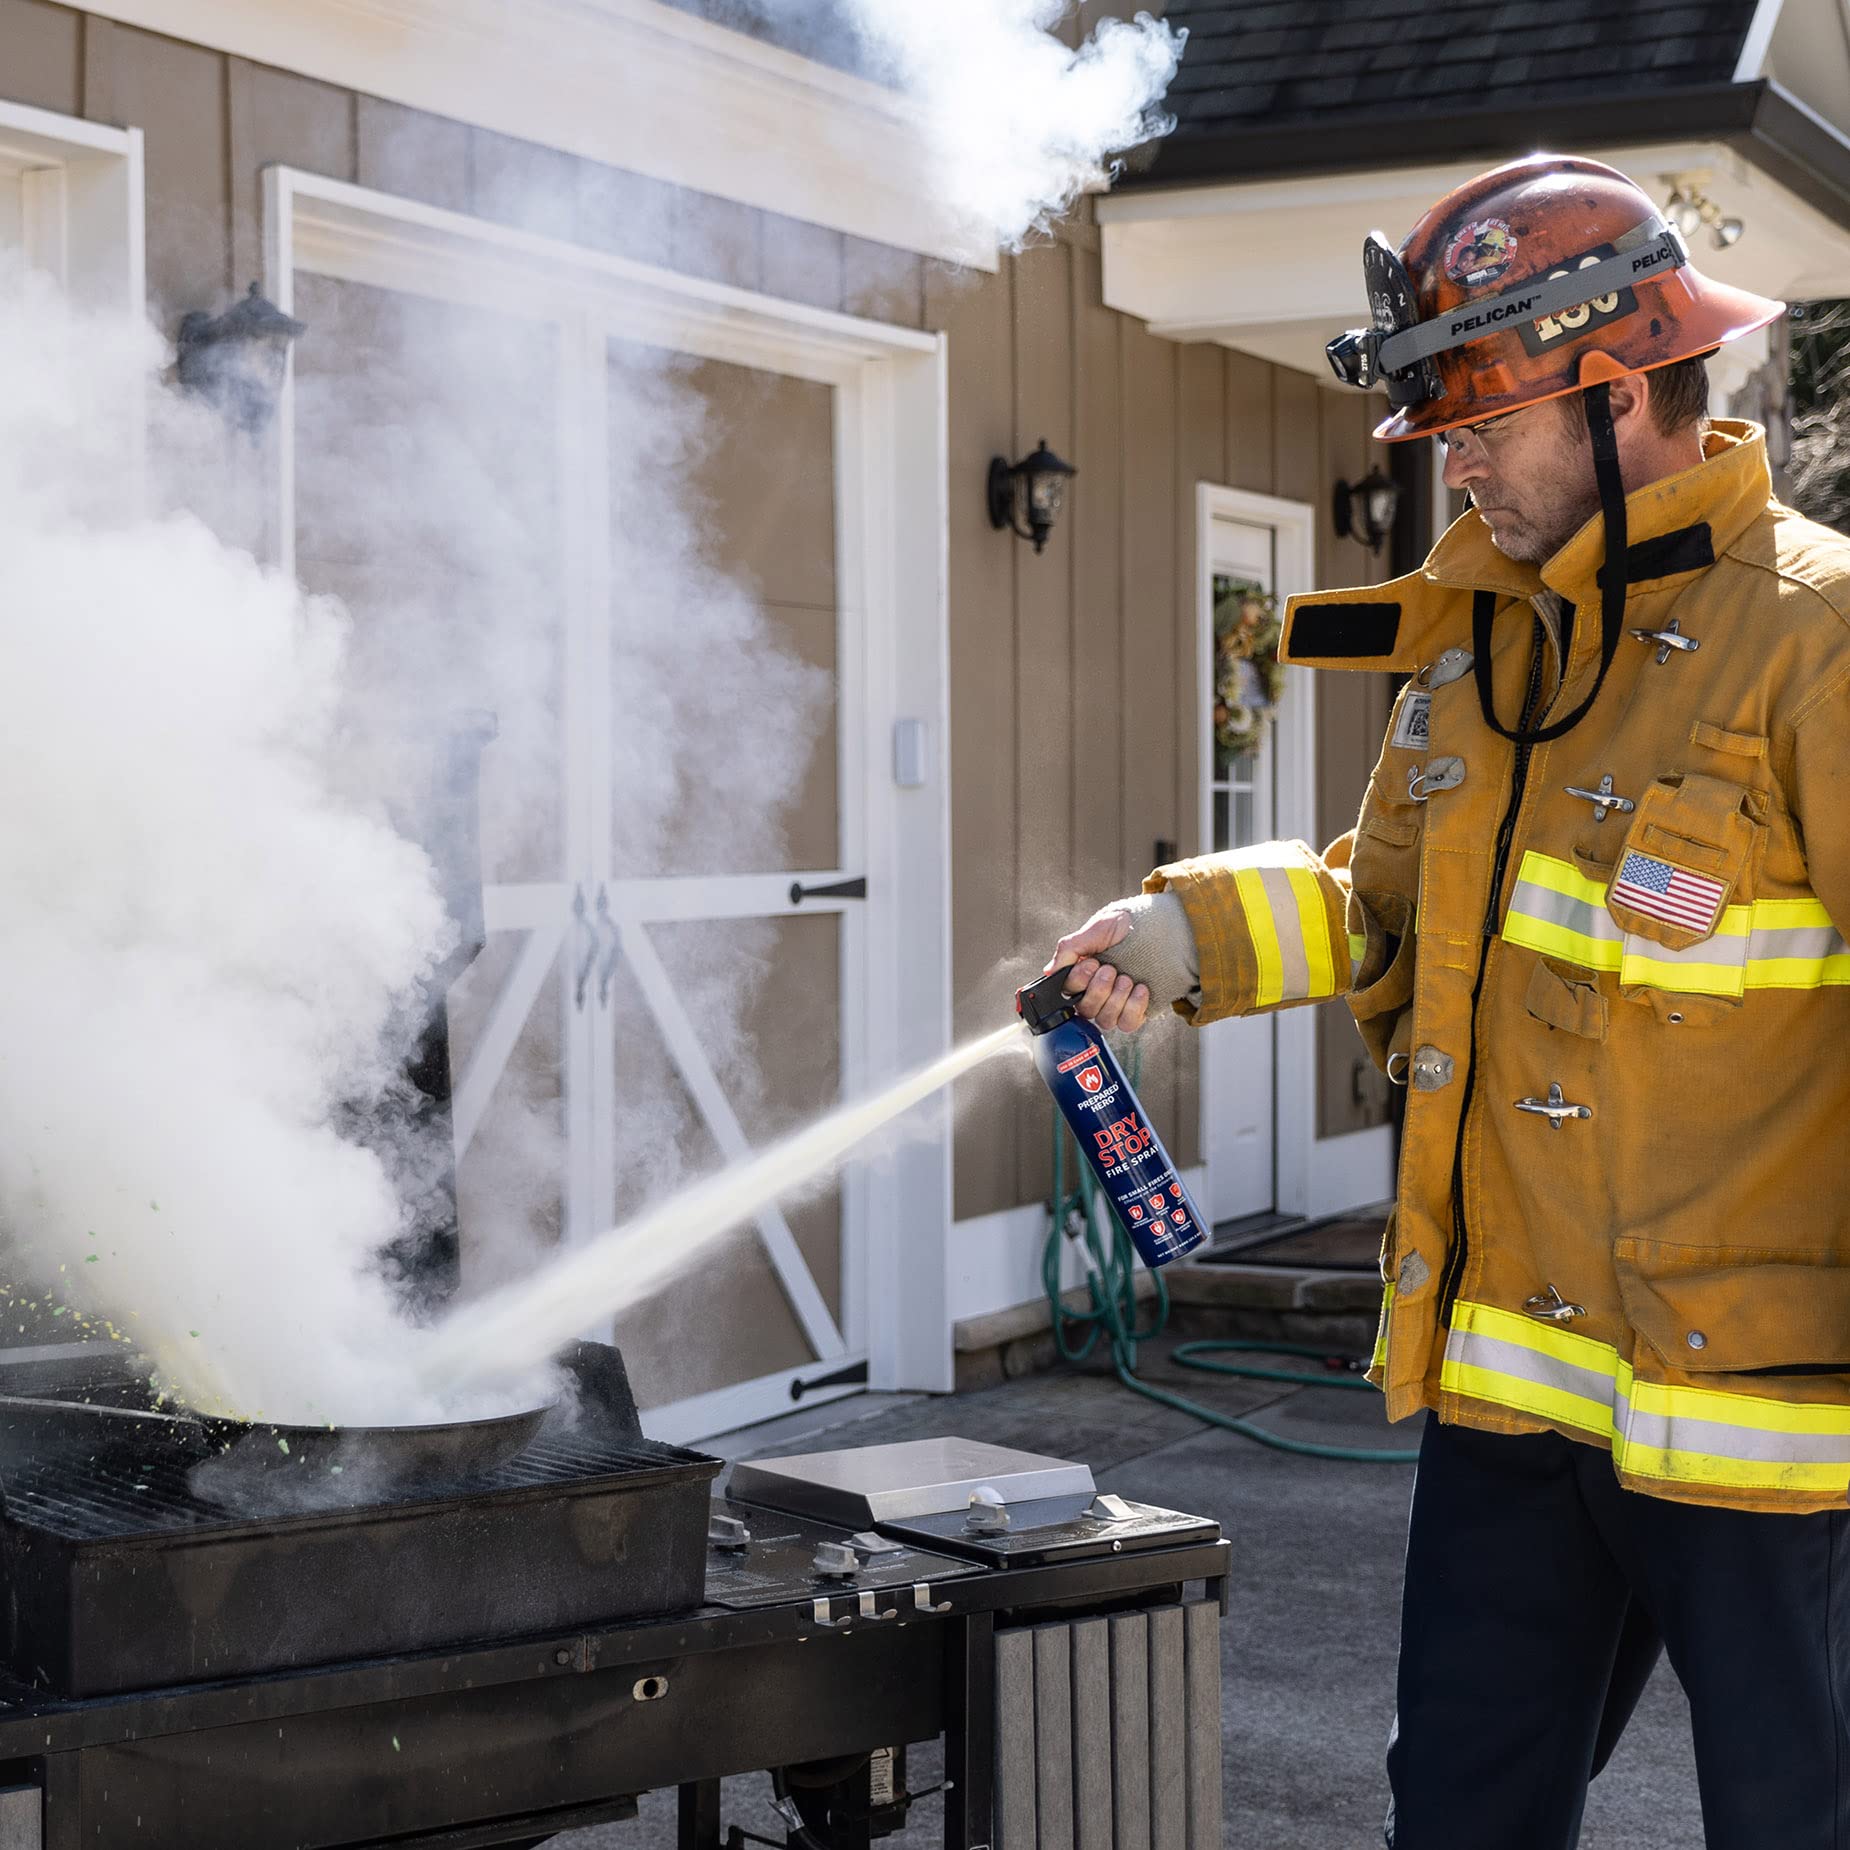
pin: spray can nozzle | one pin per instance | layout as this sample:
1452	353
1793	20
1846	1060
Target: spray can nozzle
1044	1004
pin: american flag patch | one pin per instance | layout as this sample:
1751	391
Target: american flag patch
1673	894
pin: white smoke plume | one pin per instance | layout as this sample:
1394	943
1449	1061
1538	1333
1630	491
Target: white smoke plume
214	936
203	950
1019	123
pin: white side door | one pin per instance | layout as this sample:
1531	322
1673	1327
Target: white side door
1264	543
598	1050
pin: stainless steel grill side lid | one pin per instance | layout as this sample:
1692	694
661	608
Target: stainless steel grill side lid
861	1486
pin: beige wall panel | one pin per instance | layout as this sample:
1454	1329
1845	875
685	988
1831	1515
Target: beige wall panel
717	239
417	156
1147	655
176	93
885	284
802	262
42	63
1044	766
1201	446
522	184
510	1183
973	310
764	471
628	214
782	1068
1250	463
1201	439
276	118
737	1325
1296	463
1101	867
812	825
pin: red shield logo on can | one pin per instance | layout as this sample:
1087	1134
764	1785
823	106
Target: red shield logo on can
1091	1078
1179	1215
1136	1212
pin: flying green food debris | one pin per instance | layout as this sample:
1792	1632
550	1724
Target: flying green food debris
91	1260
282	1444
395	1746
189	1332
155	1205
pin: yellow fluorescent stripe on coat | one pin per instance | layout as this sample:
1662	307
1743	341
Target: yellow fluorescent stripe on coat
1379	1359
1765	944
1314	923
1674	1432
1250	884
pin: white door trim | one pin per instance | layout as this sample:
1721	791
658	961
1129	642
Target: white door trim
84	216
892	568
1312	1175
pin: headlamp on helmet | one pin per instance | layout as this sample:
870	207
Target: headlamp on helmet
1356	355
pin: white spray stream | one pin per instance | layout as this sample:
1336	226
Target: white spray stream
522	1326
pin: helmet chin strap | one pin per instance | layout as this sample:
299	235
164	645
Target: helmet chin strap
1613	581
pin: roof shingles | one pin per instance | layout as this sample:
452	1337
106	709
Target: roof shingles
1256	63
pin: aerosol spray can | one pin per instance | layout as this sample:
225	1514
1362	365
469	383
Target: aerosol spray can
1109	1125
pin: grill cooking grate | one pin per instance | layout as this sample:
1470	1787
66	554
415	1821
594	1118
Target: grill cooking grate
117	1498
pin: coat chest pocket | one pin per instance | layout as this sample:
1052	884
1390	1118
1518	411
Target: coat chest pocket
1693	849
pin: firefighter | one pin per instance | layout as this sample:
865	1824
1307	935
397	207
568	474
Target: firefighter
1592	916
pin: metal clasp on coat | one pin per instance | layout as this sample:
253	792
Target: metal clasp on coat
1451	666
1554	1108
1668	638
1552	1307
1434	774
1602	799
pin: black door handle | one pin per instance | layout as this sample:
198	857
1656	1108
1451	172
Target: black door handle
842	889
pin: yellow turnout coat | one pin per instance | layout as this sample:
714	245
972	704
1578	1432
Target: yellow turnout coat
1612	971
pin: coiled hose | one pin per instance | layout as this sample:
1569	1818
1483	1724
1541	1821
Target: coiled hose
1082	1213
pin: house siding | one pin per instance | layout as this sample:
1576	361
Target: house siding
1073	748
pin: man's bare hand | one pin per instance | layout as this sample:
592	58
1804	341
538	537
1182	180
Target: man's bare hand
1110	998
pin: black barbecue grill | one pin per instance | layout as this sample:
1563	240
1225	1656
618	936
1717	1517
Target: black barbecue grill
491	1660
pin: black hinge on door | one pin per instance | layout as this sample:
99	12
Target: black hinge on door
853	1376
842	889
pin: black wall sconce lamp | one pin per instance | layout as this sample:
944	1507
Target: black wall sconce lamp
236	361
1033	490
1365	510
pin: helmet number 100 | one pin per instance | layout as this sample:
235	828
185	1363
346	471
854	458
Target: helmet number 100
1539	336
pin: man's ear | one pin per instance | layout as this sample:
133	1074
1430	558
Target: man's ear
1631	401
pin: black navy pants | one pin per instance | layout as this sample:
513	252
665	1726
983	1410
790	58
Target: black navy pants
1538	1595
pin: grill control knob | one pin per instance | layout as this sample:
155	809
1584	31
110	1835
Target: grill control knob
989	1514
728	1534
836	1561
1107	1508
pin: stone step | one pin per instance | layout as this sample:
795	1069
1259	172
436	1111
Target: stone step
1324	1308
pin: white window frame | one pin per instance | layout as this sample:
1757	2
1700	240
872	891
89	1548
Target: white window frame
893	526
83	193
1312	1175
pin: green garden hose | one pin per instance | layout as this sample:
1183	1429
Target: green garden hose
1081	1213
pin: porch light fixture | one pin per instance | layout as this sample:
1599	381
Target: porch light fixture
1690	208
236	361
1033	490
1365	510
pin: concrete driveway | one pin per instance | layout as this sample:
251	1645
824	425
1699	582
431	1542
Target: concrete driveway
1310	1638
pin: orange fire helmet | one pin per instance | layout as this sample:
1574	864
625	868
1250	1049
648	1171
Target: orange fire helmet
1536	279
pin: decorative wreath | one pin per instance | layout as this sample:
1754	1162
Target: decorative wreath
1248	676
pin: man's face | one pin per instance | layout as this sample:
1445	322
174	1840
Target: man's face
1530	474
